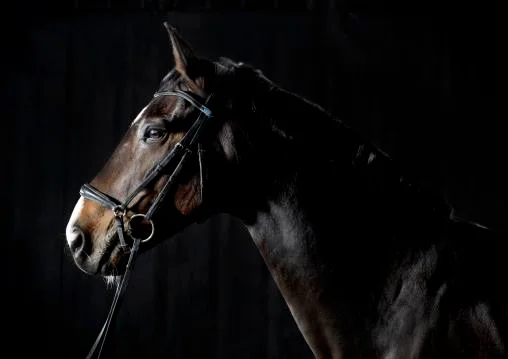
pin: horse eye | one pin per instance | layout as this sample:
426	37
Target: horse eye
154	134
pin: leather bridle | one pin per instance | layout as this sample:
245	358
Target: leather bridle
175	159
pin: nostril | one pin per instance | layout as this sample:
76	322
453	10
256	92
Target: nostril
77	239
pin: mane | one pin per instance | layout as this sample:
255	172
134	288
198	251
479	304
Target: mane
282	107
309	126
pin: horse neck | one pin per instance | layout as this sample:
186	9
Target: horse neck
309	159
326	217
327	158
295	232
311	253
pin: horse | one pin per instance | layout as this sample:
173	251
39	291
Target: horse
369	264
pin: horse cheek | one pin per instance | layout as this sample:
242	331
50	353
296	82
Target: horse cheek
187	197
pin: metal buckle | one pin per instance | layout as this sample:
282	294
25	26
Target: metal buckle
183	148
119	211
141	218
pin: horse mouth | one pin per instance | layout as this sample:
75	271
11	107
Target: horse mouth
114	258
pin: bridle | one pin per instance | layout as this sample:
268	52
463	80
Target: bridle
176	158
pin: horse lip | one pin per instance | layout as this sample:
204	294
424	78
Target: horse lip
114	258
106	266
105	260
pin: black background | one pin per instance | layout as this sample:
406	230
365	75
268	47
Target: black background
427	88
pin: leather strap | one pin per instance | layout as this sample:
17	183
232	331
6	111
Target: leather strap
120	290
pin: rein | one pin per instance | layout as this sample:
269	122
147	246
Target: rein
177	157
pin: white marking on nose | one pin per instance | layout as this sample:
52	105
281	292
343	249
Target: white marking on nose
69	230
139	116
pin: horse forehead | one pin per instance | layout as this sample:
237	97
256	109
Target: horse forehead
140	115
161	106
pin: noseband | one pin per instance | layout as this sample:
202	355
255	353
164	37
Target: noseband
175	159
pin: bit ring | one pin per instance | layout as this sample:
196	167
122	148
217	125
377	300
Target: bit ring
141	218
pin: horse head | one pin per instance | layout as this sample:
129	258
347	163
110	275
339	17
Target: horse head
178	163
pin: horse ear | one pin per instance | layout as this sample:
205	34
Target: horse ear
182	51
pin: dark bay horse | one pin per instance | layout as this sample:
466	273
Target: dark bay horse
369	266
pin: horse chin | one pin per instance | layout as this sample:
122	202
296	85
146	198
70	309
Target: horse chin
112	281
113	261
114	258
